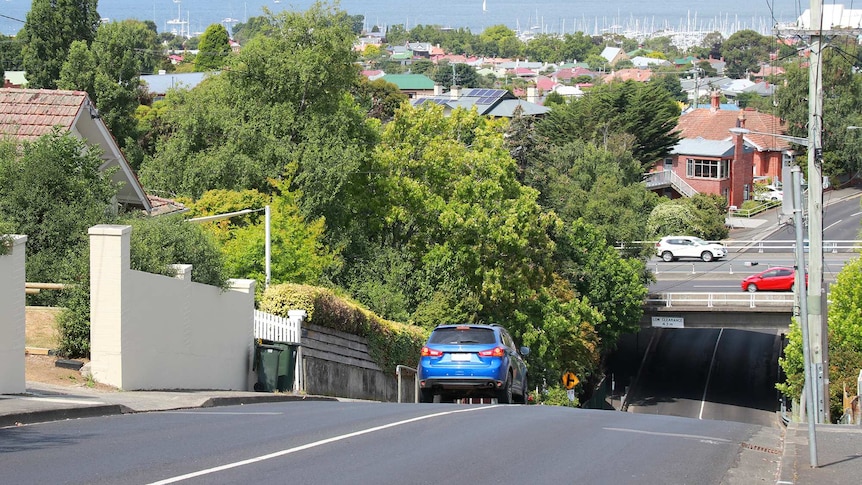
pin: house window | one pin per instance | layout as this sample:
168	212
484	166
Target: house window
710	169
746	192
668	163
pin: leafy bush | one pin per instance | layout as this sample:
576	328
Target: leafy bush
555	396
389	343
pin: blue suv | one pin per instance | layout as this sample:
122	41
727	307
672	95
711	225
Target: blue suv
461	361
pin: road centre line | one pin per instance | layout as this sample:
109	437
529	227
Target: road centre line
288	451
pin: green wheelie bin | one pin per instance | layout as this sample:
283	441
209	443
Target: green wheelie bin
267	361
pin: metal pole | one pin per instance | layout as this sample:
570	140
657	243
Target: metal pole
815	214
808	390
267	250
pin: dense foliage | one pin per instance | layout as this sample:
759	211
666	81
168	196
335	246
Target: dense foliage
49	30
845	342
52	191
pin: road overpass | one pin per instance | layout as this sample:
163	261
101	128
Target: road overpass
744	311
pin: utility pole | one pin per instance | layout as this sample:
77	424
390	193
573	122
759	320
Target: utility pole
816	33
816	323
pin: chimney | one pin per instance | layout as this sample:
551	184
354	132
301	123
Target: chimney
438	89
532	95
740	120
455	92
715	99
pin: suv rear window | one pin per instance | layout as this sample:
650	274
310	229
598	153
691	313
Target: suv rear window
462	335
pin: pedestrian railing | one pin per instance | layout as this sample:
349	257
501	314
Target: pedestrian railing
398	374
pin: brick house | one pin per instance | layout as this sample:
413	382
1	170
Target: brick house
771	154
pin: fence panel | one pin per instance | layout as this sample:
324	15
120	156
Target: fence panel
272	327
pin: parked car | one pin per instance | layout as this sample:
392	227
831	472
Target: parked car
461	361
778	278
769	193
671	248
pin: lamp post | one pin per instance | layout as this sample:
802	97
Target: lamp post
228	215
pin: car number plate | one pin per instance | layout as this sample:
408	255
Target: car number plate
460	357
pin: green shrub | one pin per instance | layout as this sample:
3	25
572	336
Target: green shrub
556	396
389	343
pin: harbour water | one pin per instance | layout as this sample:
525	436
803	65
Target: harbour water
589	16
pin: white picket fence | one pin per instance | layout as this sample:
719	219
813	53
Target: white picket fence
272	327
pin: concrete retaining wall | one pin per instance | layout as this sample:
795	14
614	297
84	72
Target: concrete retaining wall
12	322
154	332
337	364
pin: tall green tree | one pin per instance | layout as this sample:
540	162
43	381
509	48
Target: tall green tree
213	49
283	111
49	30
110	69
744	51
646	111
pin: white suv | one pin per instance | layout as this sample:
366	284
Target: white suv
671	248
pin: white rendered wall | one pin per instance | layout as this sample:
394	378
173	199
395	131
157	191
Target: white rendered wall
150	331
12	319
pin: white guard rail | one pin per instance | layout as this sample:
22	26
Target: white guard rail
713	300
784	245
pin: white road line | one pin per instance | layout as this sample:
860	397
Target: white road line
832	225
674	435
709	374
313	445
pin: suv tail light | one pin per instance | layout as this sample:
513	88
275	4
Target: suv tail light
426	352
495	352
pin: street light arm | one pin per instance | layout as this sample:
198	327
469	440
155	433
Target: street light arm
226	215
792	139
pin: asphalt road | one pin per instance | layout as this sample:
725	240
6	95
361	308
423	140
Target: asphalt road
357	442
718	374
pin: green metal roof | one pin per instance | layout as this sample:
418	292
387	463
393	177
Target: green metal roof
410	81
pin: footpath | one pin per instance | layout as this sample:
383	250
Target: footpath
46	402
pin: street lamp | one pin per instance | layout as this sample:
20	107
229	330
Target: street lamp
228	215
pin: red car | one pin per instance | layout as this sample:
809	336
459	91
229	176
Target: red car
778	278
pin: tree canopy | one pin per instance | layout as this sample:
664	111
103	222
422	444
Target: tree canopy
213	48
646	111
49	30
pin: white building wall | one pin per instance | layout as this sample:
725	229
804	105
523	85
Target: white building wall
154	332
12	319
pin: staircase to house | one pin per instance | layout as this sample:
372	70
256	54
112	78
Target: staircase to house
668	178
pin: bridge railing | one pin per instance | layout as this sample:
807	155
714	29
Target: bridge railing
715	300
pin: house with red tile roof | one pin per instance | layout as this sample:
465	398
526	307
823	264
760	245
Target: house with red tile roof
639	75
27	114
771	154
710	159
